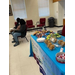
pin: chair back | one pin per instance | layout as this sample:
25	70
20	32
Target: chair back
15	23
26	29
29	22
42	21
63	31
24	32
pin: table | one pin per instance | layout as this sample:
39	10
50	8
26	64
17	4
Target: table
46	58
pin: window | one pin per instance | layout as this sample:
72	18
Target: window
43	6
19	9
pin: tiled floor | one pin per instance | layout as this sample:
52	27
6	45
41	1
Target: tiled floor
19	61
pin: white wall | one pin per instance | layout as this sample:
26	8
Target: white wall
59	11
32	12
63	5
11	20
60	14
55	4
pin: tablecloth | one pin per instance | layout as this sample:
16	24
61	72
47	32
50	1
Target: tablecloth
46	58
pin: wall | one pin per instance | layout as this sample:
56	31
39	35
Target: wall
11	20
59	11
61	7
32	12
55	4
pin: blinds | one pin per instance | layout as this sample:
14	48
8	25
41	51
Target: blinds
19	9
43	7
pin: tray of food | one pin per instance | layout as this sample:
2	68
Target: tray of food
41	33
49	44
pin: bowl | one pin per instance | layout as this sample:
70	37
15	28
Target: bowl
59	59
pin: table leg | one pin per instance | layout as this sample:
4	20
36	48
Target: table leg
31	52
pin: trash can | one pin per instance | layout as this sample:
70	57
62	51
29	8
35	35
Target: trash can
51	22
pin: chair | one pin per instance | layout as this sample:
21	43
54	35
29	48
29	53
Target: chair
29	24
25	31
15	23
42	22
24	35
62	32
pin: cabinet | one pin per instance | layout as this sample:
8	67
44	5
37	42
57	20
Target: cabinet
56	0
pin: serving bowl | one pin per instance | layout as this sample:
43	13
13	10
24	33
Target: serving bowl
60	57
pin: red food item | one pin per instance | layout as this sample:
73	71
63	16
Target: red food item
63	57
60	56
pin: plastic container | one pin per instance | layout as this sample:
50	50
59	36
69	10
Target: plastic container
59	59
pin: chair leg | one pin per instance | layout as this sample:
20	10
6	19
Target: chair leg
26	39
